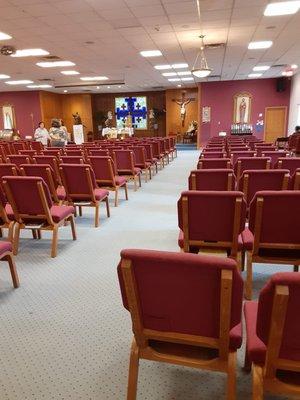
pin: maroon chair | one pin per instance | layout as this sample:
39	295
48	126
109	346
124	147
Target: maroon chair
157	153
274	156
53	162
54	152
213	149
262	149
106	176
73	153
37	146
235	155
271	239
46	172
253	181
29	153
273	337
8	170
33	208
295	180
194	317
212	179
124	162
98	153
82	189
250	163
212	220
150	157
288	163
7	255
213	154
18	159
72	160
6	222
140	161
214	163
18	145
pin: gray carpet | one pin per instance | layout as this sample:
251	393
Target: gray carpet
64	332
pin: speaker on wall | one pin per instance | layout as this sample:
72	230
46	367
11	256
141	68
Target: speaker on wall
281	84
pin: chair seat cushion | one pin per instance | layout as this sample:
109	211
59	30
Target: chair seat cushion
61	193
120	180
136	171
59	213
248	239
256	349
100	194
4	247
181	242
143	166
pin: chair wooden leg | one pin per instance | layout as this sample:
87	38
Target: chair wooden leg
239	260
248	286
34	235
97	207
257	382
80	211
140	181
247	363
135	184
146	175
16	239
243	260
11	228
1	233
39	234
296	268
231	376
150	172
126	191
133	372
73	227
116	197
13	270
107	207
54	241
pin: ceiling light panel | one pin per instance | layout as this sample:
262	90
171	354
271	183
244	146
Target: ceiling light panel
151	53
261	68
70	72
30	53
282	8
20	82
53	64
94	78
4	36
265	44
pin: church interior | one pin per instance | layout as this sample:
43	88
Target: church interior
149	199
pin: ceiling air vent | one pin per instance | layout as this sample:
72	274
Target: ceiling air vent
213	46
7	50
214	76
51	58
45	80
157	87
279	66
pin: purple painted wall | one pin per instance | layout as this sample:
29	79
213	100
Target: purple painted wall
219	96
27	110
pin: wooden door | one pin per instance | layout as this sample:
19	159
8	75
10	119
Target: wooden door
275	123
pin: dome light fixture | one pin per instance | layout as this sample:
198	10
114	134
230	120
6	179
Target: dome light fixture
200	69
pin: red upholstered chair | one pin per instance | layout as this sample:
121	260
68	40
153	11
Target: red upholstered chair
274	156
235	155
8	170
150	157
53	162
173	146
273	337
194	317
238	149
46	172
33	208
271	239
37	146
98	153
73	153
212	220
140	161
7	255
253	181
52	151
262	149
213	154
214	163
124	162
82	189
249	163
295	180
106	176
18	145
18	159
29	153
212	179
213	149
6	222
72	160
157	153
288	163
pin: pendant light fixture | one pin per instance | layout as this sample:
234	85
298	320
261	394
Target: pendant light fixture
201	69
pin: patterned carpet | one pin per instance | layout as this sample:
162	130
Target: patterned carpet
64	333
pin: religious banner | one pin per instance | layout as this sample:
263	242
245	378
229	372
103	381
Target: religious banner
242	108
131	112
78	134
8	115
206	114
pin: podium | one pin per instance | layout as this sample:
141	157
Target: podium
78	134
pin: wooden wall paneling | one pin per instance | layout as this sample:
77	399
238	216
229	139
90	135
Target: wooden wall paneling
80	103
51	107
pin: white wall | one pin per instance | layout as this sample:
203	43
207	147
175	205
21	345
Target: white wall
294	103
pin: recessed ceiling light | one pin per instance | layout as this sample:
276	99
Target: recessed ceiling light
282	8
165	66
261	68
174	79
20	82
169	74
178	66
69	72
4	36
265	44
65	91
98	87
254	75
184	73
178	85
187	79
30	53
53	64
3	76
151	53
108	87
294	66
39	86
94	78
119	87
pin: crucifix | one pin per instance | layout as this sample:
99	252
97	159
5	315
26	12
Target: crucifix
183	102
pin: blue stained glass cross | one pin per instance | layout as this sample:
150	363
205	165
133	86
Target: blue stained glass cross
131	106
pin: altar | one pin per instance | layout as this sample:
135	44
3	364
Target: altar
114	133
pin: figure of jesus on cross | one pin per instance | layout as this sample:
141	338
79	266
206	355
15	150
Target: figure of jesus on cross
183	102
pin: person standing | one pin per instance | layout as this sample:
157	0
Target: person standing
58	135
41	134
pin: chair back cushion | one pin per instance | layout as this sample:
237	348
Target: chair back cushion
251	163
39	170
213	163
181	292
124	160
76	181
212	179
288	163
102	170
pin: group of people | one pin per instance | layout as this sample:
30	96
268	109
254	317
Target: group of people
58	134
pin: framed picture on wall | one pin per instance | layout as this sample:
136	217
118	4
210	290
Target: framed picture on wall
8	115
206	111
242	103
